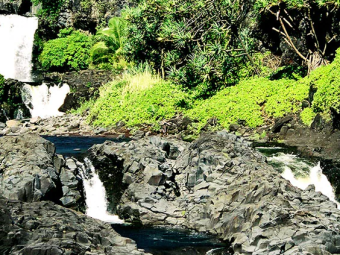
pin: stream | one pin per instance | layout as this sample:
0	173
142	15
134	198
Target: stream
162	241
299	171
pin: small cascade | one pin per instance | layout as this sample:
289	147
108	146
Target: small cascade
96	201
16	44
44	101
19	114
301	175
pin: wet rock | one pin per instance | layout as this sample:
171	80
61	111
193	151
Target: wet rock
35	120
318	123
14	6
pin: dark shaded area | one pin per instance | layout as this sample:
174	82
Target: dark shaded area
11	100
326	25
163	241
331	168
77	147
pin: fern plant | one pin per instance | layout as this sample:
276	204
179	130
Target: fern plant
109	43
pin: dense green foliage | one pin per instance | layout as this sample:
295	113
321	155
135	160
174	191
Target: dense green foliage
255	101
129	101
50	10
326	81
293	3
71	51
108	45
197	43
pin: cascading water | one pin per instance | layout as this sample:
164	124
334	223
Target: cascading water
44	101
16	44
96	195
302	174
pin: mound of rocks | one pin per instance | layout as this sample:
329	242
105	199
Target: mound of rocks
30	171
217	184
66	125
45	228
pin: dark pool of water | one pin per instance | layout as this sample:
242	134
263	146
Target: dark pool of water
75	146
163	241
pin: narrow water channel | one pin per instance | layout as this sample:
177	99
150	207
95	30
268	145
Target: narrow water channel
301	172
158	241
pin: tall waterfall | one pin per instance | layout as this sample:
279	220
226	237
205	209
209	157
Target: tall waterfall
44	101
301	174
96	195
16	44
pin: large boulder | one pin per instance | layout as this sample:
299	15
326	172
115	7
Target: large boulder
218	184
30	170
45	228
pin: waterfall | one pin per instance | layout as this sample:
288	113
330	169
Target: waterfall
96	201
44	101
16	44
301	175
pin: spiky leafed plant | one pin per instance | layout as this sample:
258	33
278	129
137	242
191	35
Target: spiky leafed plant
109	41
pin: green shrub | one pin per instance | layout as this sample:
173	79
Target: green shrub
71	51
307	116
255	101
138	99
325	81
49	11
181	39
108	44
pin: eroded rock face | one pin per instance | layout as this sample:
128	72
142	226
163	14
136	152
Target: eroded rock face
45	228
218	184
84	85
15	6
30	171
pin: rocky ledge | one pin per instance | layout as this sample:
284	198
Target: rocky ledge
217	184
33	178
45	228
30	171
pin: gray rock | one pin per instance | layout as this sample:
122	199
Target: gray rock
221	185
46	228
31	171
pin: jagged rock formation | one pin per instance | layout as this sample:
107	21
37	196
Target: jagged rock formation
45	228
30	171
217	184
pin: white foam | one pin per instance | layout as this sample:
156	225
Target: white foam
44	101
312	175
96	201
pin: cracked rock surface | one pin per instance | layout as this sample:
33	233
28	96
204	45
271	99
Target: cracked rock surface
44	228
30	171
217	184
